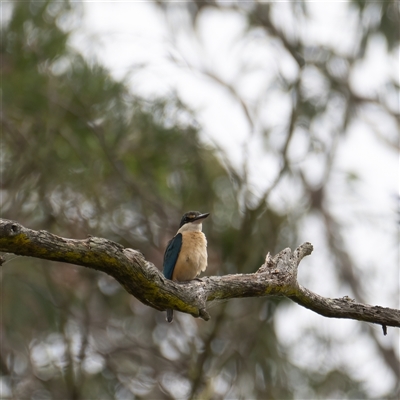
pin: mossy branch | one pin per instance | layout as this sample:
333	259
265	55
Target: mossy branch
276	277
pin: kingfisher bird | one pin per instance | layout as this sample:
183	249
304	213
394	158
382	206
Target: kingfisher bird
186	254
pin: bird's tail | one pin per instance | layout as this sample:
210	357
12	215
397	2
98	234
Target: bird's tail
170	315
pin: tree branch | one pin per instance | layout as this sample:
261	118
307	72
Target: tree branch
276	277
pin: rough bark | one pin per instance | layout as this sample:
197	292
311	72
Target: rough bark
276	277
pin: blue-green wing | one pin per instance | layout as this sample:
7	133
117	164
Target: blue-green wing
171	255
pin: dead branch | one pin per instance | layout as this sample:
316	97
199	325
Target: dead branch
276	277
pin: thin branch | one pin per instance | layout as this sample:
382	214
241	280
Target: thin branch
276	277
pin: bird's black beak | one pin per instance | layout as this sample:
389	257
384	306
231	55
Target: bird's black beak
201	216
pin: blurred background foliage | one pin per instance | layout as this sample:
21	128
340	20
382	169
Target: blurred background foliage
83	154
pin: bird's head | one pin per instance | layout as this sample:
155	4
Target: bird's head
192	220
